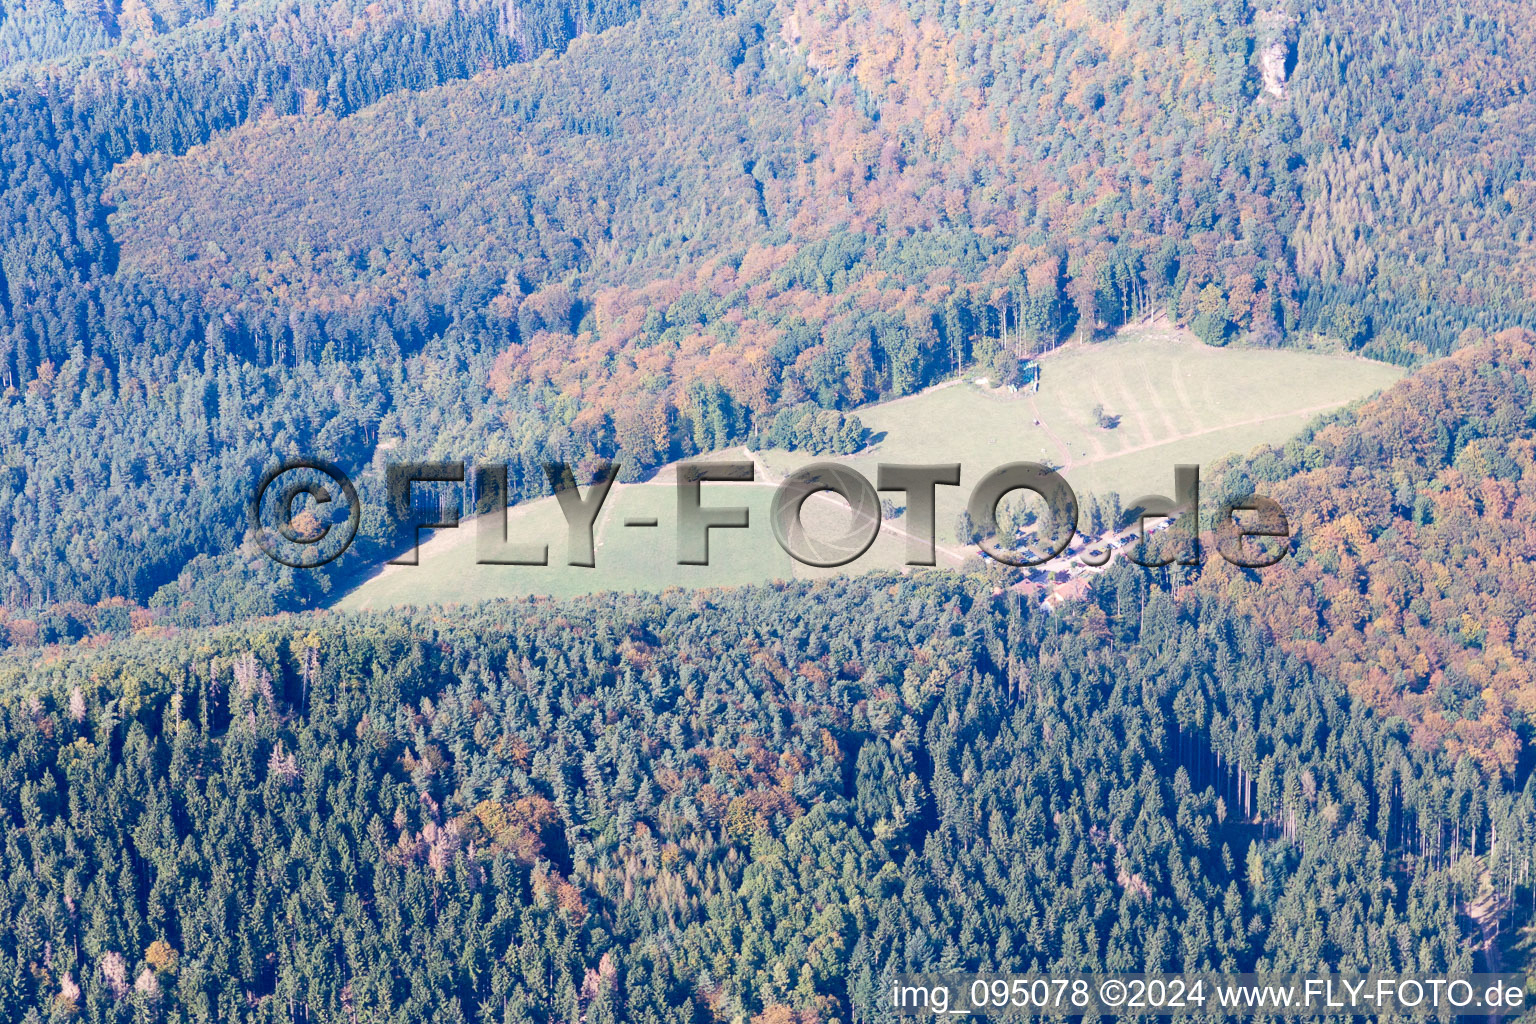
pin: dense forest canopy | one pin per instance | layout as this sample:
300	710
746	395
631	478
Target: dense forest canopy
753	804
1414	556
1126	144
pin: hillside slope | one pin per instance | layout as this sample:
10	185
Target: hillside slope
754	805
344	231
1415	554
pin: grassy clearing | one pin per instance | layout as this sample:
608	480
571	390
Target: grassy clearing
1176	401
628	557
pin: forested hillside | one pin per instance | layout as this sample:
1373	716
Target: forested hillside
1413	569
752	804
130	440
1104	159
276	227
68	39
645	229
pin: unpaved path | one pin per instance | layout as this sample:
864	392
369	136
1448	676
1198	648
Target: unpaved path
1485	912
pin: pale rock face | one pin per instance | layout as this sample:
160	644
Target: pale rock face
1272	69
1274	24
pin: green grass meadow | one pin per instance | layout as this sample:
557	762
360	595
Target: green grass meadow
628	557
1176	400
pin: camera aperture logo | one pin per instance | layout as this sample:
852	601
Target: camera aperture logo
306	513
